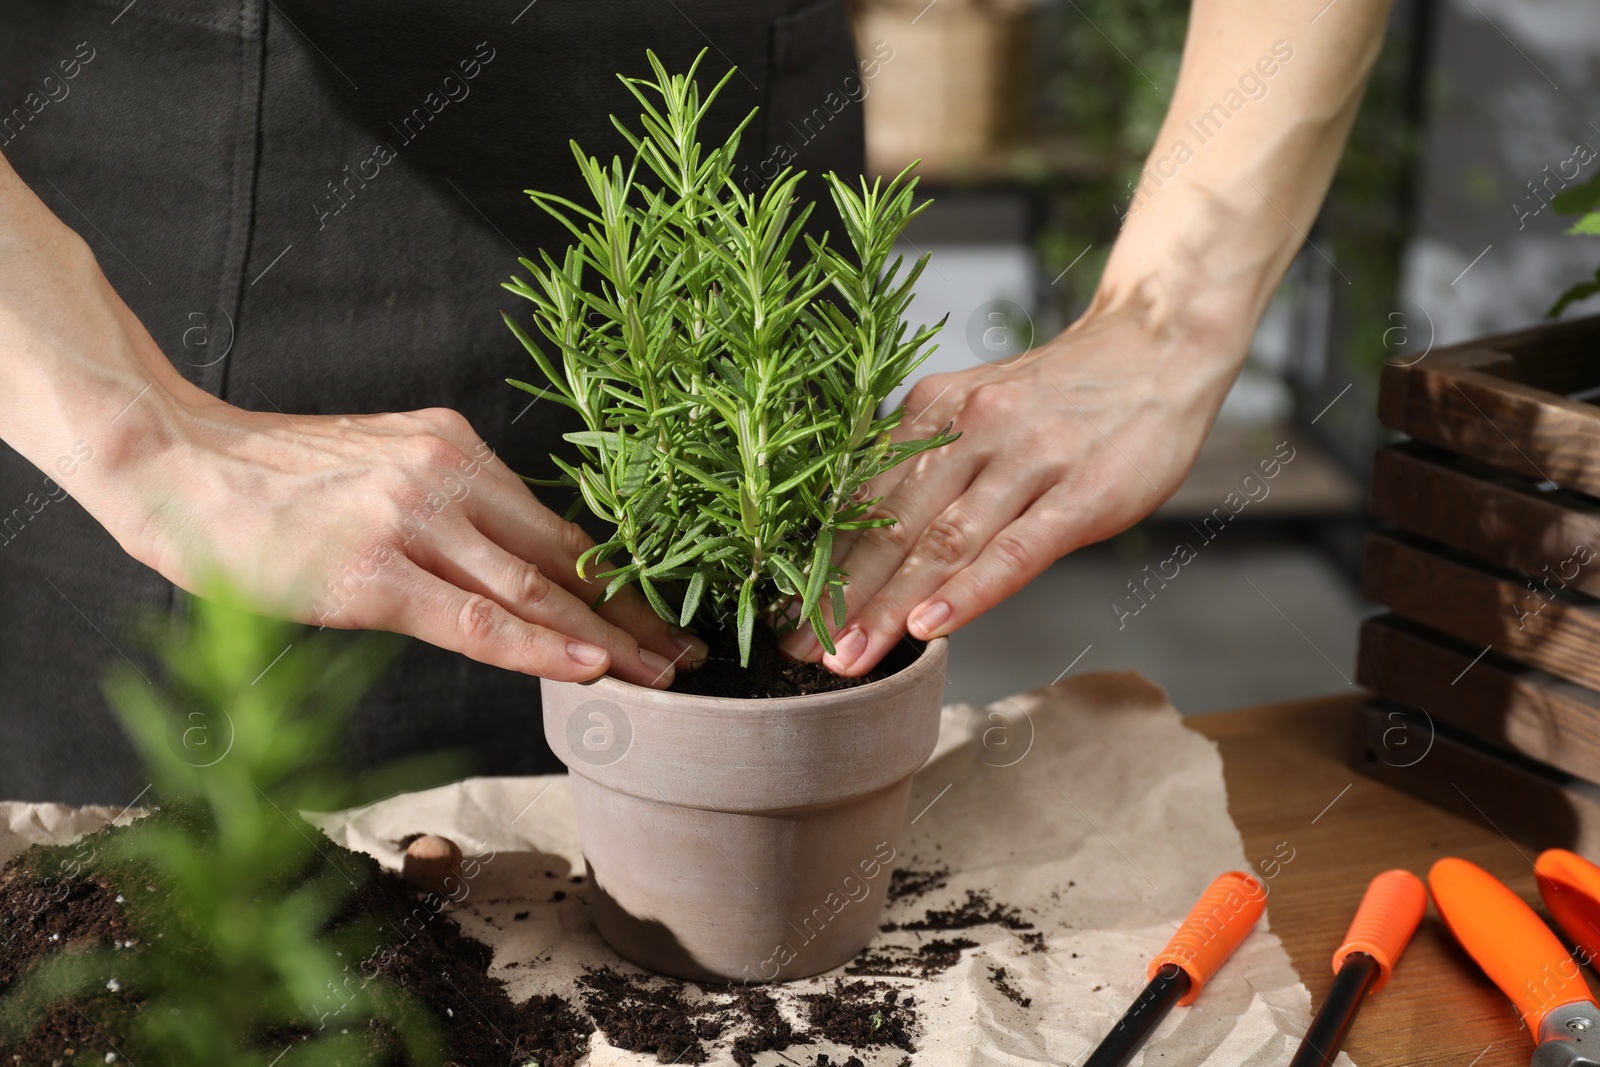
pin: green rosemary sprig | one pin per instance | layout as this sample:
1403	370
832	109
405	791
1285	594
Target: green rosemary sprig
728	368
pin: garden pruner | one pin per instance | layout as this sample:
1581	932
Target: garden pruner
1522	956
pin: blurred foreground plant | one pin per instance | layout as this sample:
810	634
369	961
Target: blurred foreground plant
730	383
228	887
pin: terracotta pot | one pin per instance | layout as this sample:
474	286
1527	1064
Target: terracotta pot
743	840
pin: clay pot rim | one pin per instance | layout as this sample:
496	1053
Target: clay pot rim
617	689
866	738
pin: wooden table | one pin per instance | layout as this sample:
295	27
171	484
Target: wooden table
1290	787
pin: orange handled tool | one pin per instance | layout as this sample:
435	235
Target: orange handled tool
1570	886
1521	956
1218	923
1390	913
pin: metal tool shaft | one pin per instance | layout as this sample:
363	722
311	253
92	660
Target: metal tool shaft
1320	1047
1167	988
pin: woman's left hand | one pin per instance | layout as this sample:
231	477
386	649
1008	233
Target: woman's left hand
1064	446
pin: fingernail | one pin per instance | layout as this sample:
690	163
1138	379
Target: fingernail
849	648
929	617
694	650
800	645
658	665
588	655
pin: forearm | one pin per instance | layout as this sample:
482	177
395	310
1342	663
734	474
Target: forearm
1263	106
80	377
1086	435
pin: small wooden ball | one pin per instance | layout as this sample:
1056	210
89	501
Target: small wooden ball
430	861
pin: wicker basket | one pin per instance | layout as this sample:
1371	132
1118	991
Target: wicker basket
947	81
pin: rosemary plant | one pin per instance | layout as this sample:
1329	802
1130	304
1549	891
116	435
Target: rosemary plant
728	368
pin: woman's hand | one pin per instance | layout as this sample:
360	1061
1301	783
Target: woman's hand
1083	437
404	522
1061	447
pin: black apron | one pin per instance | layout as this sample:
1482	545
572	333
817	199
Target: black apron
311	206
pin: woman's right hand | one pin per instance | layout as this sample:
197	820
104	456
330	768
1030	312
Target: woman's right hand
404	522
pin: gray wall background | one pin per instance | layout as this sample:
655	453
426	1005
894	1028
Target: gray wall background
1513	86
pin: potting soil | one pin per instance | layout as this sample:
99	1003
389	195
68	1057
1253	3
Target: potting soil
771	673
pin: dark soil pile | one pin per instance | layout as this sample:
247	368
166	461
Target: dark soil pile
61	899
927	960
862	1015
769	1030
979	909
687	1023
645	1015
771	673
1001	980
907	883
677	1021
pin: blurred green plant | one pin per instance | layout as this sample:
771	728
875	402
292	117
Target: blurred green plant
1366	220
228	888
1583	201
729	383
1112	73
1112	97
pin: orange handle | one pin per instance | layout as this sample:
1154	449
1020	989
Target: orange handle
1512	945
1220	920
1570	886
1390	912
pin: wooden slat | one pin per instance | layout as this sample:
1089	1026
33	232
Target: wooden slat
1500	400
1532	805
1561	636
1487	514
1489	698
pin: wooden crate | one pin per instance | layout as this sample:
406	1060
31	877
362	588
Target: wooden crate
1489	562
1508	401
